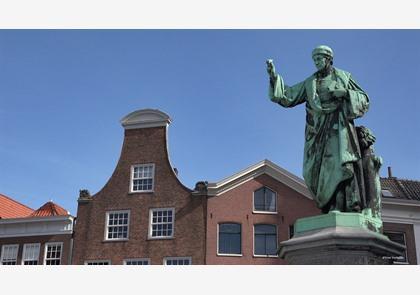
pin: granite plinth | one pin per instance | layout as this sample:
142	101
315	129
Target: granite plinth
338	238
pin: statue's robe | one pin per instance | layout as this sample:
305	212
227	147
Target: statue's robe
332	157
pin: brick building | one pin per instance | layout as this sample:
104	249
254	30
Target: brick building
251	212
27	236
401	214
144	214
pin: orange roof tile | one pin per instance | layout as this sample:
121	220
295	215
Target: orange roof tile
10	208
49	209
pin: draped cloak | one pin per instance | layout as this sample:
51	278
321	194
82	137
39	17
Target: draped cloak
331	150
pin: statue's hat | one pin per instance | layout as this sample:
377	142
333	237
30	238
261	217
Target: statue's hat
322	49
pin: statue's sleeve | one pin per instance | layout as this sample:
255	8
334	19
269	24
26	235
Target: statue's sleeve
358	101
284	95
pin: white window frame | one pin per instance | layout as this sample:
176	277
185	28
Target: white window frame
137	259
253	239
107	225
9	246
53	244
151	223
405	244
218	236
89	262
265	212
25	250
132	178
165	260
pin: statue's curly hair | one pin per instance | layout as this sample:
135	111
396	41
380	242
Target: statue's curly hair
365	136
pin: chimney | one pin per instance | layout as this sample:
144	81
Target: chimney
389	172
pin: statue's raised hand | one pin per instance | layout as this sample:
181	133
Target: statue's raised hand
271	69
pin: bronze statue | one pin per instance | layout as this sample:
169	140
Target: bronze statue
333	164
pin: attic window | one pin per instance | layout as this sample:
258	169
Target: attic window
142	178
387	193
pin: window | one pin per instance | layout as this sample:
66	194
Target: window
265	239
161	223
9	254
117	225
53	253
177	261
98	262
140	261
398	237
30	254
142	178
265	200
229	238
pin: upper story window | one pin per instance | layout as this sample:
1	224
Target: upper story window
229	241
398	237
265	200
137	261
30	254
265	239
161	223
177	261
142	178
117	225
53	253
9	254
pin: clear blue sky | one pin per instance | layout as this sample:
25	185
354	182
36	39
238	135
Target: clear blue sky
63	92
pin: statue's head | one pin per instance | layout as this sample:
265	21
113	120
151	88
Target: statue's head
322	56
365	136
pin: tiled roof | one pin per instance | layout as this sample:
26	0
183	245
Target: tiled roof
10	208
402	188
49	209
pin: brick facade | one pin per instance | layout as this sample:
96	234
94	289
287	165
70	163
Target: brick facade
141	146
66	239
236	205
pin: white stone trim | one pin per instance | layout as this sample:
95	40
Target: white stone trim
61	244
150	233
23	227
145	119
107	213
252	172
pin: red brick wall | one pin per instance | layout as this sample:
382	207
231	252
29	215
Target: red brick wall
141	146
236	205
65	239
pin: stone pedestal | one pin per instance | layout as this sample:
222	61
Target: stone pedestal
340	239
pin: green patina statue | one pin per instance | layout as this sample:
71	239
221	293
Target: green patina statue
335	164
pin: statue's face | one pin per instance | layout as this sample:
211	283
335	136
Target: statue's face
320	61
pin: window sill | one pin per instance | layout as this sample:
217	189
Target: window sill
115	241
265	212
229	255
265	256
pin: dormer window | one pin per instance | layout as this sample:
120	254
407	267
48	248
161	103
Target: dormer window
265	200
142	178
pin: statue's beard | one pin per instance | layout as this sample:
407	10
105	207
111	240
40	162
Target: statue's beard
325	71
